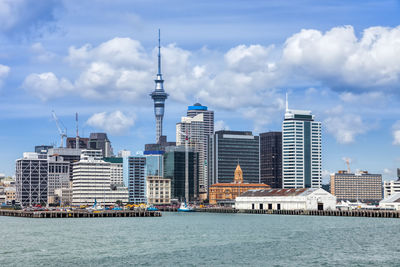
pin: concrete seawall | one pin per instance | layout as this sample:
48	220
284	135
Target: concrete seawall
345	213
79	214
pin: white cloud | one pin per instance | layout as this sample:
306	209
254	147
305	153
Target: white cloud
326	176
345	127
388	171
41	54
46	85
339	59
114	123
4	71
396	133
221	125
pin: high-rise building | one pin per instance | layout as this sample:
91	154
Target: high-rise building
175	170
197	126
58	176
31	179
101	141
361	186
135	178
271	159
91	183
301	150
226	149
154	163
116	170
83	142
159	96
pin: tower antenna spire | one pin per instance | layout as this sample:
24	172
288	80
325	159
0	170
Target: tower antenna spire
287	102
159	51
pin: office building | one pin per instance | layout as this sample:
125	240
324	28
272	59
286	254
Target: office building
228	148
159	96
391	187
91	183
124	153
116	170
159	146
43	149
286	199
271	159
360	186
135	178
196	128
83	142
68	154
154	163
158	190
226	193
100	141
301	150
58	177
31	179
174	169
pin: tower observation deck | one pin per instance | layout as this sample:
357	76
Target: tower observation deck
159	96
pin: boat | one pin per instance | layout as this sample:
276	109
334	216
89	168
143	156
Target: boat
185	208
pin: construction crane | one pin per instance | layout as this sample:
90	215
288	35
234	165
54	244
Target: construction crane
61	131
347	160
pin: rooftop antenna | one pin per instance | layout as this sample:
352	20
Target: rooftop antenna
287	102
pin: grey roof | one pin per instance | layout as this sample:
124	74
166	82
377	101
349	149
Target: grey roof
286	192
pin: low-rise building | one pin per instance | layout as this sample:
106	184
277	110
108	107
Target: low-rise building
226	193
360	186
158	190
391	202
286	199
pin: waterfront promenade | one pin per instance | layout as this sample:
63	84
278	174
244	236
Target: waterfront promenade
80	213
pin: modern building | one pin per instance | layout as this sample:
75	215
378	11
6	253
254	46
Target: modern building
31	179
286	199
116	169
124	153
154	163
301	150
158	190
58	177
91	183
228	148
271	159
391	187
83	142
174	169
71	155
159	146
159	96
226	193
100	141
196	127
135	179
361	186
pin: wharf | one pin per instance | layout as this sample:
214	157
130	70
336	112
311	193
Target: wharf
80	213
344	213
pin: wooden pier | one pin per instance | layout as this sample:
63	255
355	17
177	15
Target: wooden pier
345	213
80	213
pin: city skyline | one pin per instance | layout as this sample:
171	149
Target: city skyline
66	64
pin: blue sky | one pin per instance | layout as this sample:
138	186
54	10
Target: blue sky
340	59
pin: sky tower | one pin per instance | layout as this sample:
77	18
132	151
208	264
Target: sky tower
159	95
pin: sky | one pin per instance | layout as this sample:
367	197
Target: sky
339	59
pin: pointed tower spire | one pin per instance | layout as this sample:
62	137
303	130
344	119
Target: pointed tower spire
159	52
287	102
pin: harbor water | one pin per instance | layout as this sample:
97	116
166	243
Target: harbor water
208	239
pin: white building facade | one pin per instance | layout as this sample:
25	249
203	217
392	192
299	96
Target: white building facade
91	183
158	190
301	150
390	188
286	199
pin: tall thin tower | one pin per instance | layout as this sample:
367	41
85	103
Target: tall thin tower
159	96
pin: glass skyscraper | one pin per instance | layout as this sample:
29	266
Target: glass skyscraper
271	159
227	149
301	150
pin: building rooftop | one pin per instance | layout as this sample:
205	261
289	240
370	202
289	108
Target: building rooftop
239	185
197	106
286	192
393	198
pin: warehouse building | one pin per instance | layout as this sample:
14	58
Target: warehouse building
286	199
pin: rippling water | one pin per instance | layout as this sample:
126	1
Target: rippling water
200	239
